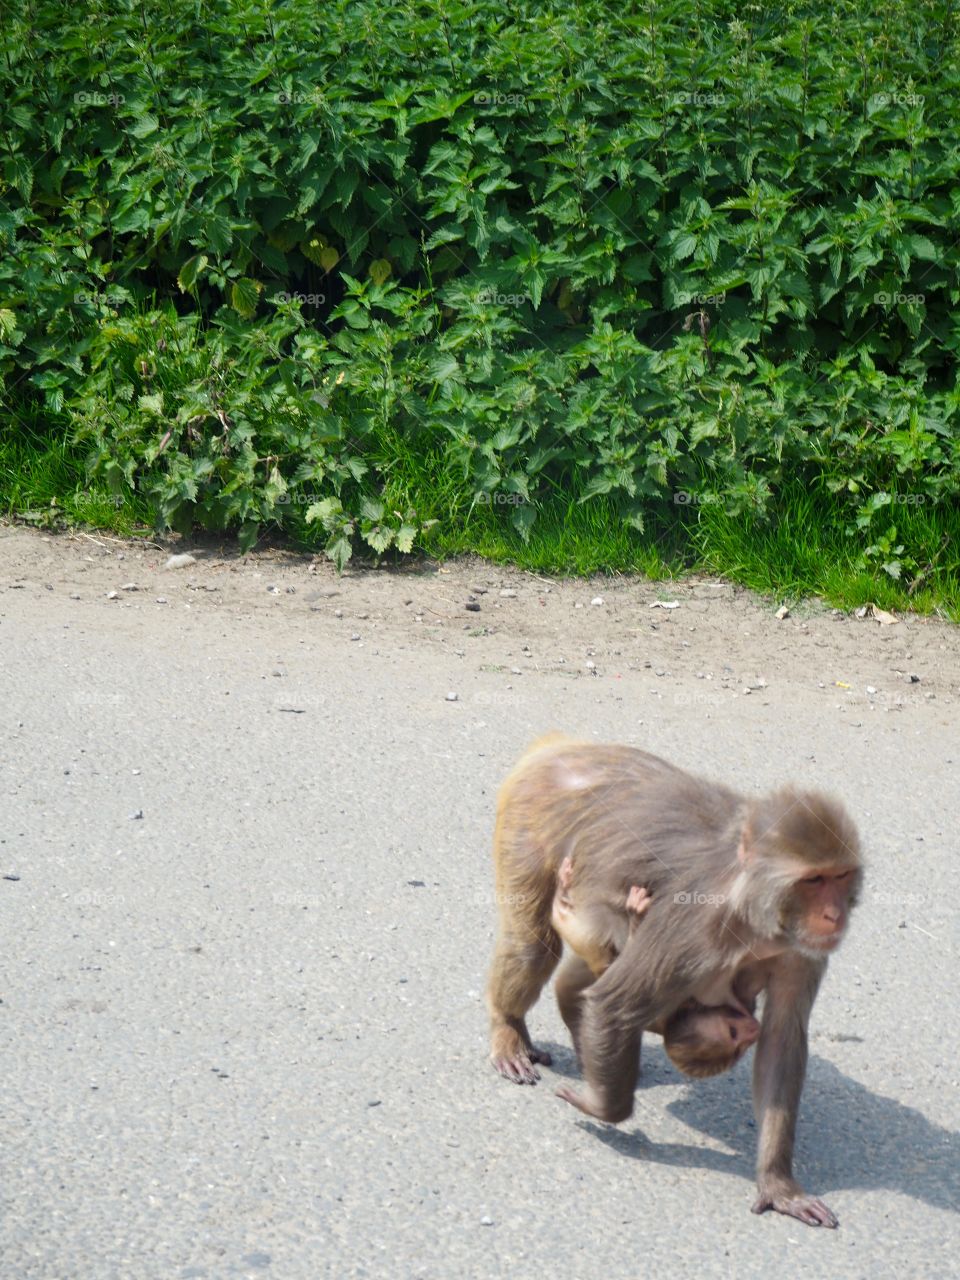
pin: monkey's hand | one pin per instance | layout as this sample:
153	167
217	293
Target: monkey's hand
789	1198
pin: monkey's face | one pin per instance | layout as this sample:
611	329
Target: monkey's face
818	908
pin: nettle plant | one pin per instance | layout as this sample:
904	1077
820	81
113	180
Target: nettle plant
291	267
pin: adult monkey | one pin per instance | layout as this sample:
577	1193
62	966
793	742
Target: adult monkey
779	876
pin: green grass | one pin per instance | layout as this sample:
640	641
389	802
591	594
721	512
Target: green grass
800	549
42	481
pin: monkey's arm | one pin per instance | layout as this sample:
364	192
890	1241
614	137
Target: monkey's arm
779	1068
635	993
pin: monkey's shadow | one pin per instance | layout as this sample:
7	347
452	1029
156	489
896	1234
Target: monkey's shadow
848	1136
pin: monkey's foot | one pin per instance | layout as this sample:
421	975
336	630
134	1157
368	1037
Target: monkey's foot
515	1060
592	1105
808	1209
638	900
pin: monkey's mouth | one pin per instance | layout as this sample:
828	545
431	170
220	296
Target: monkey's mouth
824	942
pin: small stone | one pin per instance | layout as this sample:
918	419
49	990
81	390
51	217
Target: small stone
135	816
472	607
508	593
597	600
871	689
782	612
591	666
515	671
129	586
180	561
355	635
112	595
338	613
912	679
453	697
161	599
486	1221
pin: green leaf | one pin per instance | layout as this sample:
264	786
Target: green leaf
339	550
243	296
247	536
189	272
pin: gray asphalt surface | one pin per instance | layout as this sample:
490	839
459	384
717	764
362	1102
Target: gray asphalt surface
242	1024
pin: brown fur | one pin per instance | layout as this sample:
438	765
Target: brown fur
759	887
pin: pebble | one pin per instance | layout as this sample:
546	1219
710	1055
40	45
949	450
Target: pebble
355	636
871	689
597	600
472	606
508	593
486	1221
515	671
161	599
129	586
180	561
453	697
112	595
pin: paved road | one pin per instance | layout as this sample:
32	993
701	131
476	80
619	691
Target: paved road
244	952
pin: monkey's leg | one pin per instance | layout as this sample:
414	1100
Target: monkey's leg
523	961
573	979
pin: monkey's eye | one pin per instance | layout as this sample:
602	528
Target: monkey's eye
814	880
844	875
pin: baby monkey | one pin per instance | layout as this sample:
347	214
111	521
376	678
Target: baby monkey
701	1039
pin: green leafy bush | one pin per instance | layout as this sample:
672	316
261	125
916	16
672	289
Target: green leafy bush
261	254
